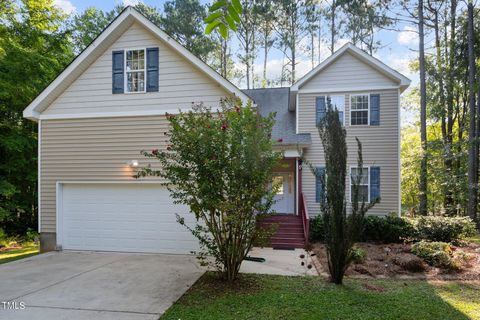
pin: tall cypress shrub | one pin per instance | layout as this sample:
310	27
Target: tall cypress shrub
342	228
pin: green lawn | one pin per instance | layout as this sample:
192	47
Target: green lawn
277	297
475	239
27	250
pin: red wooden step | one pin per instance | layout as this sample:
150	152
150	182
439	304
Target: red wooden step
289	233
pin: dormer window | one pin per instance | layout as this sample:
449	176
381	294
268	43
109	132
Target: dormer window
135	70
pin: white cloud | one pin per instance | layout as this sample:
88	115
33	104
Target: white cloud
131	2
408	36
274	64
274	71
65	5
401	63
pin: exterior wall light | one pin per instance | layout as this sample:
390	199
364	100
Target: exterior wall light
133	163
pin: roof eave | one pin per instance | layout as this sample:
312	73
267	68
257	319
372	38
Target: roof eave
292	145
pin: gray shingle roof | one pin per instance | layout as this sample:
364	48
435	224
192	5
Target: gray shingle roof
277	100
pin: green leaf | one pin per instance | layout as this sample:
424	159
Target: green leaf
213	17
223	31
212	26
217	5
233	13
237	5
231	23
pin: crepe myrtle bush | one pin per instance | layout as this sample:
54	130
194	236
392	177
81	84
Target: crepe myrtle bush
220	165
341	230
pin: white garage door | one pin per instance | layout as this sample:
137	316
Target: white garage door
128	217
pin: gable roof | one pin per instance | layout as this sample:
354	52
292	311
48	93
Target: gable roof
373	62
108	36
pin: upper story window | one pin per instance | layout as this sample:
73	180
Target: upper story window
335	102
338	103
135	70
364	183
359	109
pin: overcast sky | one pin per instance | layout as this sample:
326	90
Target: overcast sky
400	47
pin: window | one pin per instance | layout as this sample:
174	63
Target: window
135	70
363	188
359	105
338	102
277	184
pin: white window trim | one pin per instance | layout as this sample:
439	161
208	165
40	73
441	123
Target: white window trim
344	104
368	110
350	182
125	72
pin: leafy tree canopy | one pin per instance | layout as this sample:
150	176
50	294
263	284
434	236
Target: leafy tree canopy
219	164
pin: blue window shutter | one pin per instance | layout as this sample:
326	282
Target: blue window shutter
152	69
319	184
117	71
374	183
374	109
320	109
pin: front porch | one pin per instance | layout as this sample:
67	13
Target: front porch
289	211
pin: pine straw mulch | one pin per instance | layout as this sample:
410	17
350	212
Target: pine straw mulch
389	260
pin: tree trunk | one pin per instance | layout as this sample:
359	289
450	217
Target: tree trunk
477	145
223	67
332	27
293	64
265	57
247	59
319	37
252	59
293	48
312	45
472	156
448	162
423	114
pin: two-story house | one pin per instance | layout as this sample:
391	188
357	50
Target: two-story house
110	103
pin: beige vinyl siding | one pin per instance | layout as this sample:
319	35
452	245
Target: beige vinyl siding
350	73
180	82
93	150
380	147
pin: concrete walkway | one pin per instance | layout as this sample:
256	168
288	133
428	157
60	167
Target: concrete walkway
279	262
91	285
100	285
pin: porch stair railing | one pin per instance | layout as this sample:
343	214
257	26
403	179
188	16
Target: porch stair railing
305	216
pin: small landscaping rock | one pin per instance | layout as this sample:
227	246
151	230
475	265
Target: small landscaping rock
403	264
410	262
362	270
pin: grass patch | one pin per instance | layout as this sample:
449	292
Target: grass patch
475	239
461	295
278	297
27	250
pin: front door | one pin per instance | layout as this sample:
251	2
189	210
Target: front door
285	196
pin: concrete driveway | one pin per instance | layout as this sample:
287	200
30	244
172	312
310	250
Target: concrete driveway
93	285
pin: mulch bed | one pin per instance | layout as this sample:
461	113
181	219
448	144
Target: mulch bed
10	248
396	261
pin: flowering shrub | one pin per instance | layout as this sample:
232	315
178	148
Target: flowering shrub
219	164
